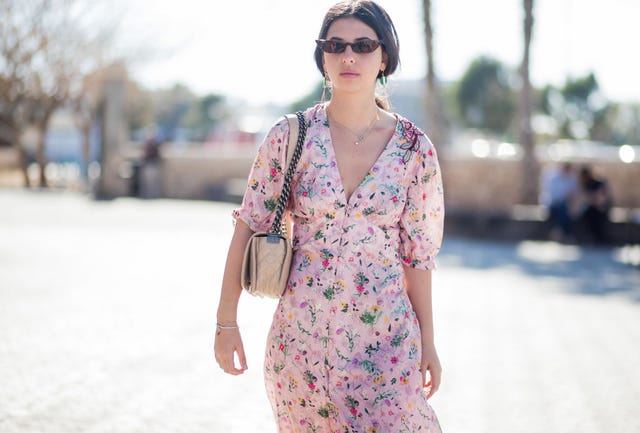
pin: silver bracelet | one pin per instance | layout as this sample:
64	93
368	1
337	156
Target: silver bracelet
220	327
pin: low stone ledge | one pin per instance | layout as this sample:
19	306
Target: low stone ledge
531	222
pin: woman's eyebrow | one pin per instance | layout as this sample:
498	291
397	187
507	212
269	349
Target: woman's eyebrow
362	38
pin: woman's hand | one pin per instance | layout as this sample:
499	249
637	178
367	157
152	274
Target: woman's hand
228	342
430	363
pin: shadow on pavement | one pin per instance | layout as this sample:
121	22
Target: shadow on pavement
582	270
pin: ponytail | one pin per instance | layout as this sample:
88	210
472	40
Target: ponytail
383	103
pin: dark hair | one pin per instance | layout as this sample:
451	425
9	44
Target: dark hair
585	171
372	15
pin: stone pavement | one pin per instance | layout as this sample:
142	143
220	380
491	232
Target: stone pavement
107	312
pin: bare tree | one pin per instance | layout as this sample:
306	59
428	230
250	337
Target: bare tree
530	167
78	36
20	41
435	116
49	86
47	47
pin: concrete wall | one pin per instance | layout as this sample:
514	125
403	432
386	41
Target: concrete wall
493	184
487	185
204	173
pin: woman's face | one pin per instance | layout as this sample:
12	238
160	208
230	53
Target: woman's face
349	71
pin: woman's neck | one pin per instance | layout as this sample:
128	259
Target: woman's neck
351	110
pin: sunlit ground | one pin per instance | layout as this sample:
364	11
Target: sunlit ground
107	312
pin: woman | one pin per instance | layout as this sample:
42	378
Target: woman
351	345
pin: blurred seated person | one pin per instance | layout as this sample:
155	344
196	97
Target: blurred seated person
151	173
596	203
558	191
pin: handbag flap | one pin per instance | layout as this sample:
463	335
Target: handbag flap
266	264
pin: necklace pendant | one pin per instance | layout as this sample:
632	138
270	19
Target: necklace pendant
356	143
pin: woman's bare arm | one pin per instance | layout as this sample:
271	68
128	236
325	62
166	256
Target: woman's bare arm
228	341
418	283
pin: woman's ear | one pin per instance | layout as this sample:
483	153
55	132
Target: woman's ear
385	59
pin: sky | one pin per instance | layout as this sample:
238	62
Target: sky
262	50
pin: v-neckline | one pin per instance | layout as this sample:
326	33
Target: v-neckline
325	124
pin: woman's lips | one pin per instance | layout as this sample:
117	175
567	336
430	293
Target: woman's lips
349	74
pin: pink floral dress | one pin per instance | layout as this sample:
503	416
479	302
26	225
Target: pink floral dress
343	352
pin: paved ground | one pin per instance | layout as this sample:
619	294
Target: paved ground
106	314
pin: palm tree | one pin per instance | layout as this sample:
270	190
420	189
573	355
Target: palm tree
436	125
530	169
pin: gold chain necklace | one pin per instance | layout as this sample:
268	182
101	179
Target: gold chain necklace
359	137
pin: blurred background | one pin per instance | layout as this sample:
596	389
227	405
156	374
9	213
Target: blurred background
142	99
125	122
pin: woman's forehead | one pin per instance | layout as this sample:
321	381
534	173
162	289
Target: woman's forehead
350	28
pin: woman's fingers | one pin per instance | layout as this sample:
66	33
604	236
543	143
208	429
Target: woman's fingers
435	376
228	366
423	370
226	346
432	366
242	357
231	368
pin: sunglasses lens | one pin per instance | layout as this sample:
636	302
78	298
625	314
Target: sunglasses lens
331	46
365	46
335	47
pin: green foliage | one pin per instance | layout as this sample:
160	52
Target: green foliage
484	98
178	108
203	114
580	89
171	105
579	109
624	123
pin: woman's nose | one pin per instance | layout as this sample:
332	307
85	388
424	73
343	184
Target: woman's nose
348	56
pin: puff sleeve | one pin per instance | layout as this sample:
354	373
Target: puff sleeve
422	219
265	181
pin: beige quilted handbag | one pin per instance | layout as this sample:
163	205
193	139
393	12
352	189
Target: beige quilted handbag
267	257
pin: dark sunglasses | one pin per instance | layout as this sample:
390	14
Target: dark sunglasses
361	46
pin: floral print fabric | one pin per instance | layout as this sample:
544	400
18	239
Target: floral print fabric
343	352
